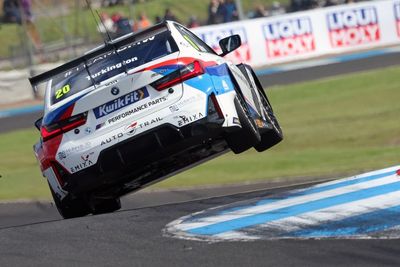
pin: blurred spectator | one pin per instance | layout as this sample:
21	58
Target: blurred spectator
20	11
214	12
105	3
295	5
107	24
169	15
11	11
276	9
27	10
193	22
259	12
143	22
330	3
27	17
298	5
122	24
158	19
229	11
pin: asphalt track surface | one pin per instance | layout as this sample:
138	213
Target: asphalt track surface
134	237
33	234
280	78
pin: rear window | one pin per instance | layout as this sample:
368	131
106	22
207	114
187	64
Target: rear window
69	83
98	69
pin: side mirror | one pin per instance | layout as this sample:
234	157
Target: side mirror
38	123
230	43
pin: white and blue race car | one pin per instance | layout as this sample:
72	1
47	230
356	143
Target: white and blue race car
142	108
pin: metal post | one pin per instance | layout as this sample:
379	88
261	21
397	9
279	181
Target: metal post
28	44
27	40
239	7
76	19
131	11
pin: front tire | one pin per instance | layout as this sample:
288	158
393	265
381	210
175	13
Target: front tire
244	139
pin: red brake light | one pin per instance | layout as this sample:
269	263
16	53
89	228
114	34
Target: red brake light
63	126
48	134
186	72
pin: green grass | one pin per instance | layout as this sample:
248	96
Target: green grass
332	127
55	25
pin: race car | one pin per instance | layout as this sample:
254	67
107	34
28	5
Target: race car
142	108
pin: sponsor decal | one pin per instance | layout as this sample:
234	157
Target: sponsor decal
127	113
81	166
287	37
397	17
88	130
133	111
86	156
131	129
63	154
86	162
150	122
120	102
110	83
225	85
174	108
111	139
352	27
177	106
114	91
98	126
183	119
212	38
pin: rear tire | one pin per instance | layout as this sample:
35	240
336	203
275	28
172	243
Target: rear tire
273	136
70	208
247	137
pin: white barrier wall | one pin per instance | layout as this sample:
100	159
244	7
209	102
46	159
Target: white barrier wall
313	33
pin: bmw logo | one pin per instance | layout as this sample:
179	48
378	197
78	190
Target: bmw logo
114	91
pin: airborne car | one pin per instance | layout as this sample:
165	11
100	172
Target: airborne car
142	108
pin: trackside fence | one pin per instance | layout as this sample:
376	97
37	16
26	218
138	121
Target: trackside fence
308	34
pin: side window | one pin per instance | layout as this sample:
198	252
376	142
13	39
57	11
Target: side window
194	41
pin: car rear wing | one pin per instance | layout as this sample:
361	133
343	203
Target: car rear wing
108	46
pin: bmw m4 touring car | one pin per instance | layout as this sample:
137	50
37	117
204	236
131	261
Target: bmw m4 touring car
142	108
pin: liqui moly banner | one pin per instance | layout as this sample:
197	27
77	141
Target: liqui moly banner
212	37
286	37
354	26
397	17
308	34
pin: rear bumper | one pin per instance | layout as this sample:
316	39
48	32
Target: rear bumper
135	162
